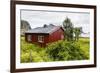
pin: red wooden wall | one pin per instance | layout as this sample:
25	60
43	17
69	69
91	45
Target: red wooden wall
55	36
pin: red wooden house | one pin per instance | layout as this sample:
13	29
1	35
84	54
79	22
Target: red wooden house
43	35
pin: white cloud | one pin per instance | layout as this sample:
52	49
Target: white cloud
39	18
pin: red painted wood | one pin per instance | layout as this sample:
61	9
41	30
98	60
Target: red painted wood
55	36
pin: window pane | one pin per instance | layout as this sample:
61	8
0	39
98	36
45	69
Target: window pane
29	37
40	38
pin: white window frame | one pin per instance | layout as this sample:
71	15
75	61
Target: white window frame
29	38
40	38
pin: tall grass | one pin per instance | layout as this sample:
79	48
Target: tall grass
85	46
57	51
32	53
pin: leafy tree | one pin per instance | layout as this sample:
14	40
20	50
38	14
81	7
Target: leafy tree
68	29
77	32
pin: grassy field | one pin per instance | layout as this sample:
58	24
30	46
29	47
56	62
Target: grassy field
34	53
84	45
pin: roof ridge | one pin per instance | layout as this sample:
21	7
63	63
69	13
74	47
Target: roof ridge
47	29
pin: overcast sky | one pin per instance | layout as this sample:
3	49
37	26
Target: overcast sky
39	18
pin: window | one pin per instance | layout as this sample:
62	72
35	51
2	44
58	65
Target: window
40	39
29	38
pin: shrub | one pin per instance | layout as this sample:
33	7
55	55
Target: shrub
65	50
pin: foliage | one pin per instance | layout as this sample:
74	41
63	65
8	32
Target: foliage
68	29
64	50
84	45
32	53
77	31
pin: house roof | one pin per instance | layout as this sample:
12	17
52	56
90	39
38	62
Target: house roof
46	29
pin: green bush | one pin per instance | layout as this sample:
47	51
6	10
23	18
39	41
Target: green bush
64	50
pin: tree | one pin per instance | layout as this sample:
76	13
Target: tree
77	32
68	29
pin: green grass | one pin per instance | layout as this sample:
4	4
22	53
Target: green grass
34	53
84	45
